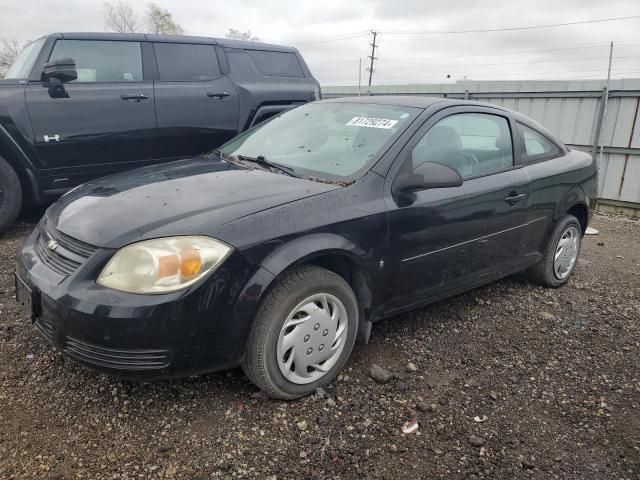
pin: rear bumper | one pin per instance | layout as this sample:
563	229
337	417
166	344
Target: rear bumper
197	330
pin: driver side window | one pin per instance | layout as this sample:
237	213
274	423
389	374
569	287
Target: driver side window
471	143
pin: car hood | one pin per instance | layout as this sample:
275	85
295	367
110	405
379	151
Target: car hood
188	197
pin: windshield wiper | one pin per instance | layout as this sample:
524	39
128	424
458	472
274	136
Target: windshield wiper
262	161
259	160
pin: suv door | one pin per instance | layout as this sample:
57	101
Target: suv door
101	122
446	240
196	105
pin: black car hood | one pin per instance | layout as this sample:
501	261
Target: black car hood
187	197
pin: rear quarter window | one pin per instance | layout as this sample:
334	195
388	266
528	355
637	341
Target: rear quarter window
276	64
536	147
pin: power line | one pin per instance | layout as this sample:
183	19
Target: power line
505	29
352	35
499	53
511	52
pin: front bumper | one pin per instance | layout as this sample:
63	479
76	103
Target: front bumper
200	329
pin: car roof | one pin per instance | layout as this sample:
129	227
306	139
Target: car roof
140	37
415	101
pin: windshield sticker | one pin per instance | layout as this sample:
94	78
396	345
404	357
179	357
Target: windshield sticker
371	122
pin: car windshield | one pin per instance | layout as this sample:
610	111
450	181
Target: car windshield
24	63
333	140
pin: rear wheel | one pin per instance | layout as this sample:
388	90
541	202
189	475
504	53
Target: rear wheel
303	333
10	195
561	255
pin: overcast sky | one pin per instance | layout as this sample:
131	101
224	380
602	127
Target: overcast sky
578	51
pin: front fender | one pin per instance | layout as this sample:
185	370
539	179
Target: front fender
306	247
288	254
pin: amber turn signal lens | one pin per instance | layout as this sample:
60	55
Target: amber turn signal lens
191	263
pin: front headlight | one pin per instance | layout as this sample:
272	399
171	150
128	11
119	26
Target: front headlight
163	265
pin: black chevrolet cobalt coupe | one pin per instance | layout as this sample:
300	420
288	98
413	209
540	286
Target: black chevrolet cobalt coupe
278	251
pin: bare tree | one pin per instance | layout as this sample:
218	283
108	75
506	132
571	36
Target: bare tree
9	50
160	21
238	35
120	17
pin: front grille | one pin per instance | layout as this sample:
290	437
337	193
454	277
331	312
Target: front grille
117	359
60	252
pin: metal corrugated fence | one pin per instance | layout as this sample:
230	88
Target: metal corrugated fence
569	109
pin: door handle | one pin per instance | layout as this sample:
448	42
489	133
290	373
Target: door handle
218	95
514	198
134	98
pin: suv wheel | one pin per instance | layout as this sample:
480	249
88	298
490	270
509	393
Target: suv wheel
303	334
10	195
561	256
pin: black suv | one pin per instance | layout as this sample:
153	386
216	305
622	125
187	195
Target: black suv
77	106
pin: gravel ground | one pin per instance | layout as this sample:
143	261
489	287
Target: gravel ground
506	381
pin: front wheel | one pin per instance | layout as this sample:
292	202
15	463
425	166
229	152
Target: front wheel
303	333
561	256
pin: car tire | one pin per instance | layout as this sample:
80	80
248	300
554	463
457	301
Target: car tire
561	255
10	195
310	298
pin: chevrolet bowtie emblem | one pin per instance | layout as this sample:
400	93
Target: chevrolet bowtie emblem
52	245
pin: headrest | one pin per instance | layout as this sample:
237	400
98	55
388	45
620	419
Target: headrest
444	138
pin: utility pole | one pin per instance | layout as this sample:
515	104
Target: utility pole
359	76
606	99
600	123
372	57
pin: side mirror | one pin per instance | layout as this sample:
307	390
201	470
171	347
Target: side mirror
63	70
426	175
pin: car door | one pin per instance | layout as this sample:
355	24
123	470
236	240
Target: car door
101	122
446	240
547	184
196	105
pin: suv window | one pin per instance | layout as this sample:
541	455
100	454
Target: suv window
276	64
102	61
536	146
471	143
186	62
